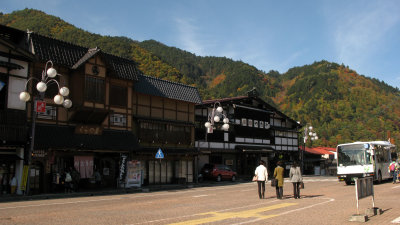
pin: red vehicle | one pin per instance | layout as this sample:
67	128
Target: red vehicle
218	172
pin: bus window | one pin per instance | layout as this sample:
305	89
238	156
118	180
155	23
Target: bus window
368	157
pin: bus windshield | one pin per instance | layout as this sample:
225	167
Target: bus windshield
349	155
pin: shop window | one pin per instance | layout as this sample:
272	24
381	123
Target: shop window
244	122
3	90
94	89
118	95
118	119
165	133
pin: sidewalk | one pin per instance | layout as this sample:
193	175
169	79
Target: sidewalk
148	188
94	192
108	191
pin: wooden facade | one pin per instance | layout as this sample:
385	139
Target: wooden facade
257	131
14	66
118	116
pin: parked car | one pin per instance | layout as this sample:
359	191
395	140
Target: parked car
218	172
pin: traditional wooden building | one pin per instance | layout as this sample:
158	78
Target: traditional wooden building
119	118
256	131
14	66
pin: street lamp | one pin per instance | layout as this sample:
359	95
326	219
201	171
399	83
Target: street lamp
48	75
308	133
216	114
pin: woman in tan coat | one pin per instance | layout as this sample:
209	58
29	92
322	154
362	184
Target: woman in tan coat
296	179
278	174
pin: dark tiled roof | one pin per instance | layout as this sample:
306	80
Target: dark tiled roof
73	56
64	137
240	99
59	52
123	68
155	86
17	37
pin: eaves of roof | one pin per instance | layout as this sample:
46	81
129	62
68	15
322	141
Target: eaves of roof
73	56
240	98
167	89
64	137
90	53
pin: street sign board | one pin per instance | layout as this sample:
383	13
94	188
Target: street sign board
40	106
159	154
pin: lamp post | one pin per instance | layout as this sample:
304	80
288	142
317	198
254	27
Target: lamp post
308	133
48	75
216	114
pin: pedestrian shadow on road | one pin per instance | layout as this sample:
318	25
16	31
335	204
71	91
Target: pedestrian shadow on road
384	210
309	196
291	196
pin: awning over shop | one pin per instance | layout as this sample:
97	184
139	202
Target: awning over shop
9	157
320	150
168	151
64	137
254	149
11	66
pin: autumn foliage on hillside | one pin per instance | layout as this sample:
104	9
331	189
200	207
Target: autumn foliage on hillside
342	105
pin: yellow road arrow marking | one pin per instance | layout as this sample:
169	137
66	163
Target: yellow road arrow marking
218	216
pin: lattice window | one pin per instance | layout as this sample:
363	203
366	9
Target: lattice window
118	119
94	89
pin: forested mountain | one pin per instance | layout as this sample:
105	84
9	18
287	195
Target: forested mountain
341	105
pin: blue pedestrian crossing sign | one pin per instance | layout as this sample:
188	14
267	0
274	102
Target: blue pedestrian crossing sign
159	154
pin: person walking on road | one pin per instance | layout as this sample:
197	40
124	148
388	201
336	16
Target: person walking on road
278	174
393	169
262	177
296	179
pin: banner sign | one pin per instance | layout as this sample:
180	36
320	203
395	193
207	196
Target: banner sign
24	178
122	168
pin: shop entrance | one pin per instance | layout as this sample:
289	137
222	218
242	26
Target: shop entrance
36	178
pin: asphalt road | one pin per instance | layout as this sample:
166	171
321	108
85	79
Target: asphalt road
324	201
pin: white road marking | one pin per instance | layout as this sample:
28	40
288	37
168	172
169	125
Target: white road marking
397	220
199	196
397	186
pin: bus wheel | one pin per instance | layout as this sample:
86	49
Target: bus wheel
379	177
348	182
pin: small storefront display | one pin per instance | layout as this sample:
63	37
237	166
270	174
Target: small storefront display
133	174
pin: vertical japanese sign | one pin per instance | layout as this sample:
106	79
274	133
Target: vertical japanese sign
122	168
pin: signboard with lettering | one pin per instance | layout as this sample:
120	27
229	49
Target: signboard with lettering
40	106
133	174
24	178
89	129
122	168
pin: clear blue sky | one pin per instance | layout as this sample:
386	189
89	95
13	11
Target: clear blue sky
268	34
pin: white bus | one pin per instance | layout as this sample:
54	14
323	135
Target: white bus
362	159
